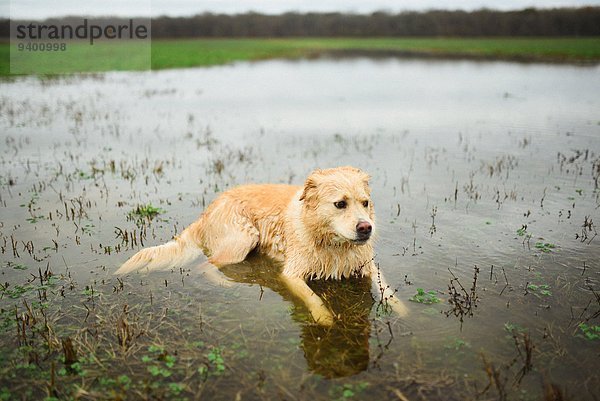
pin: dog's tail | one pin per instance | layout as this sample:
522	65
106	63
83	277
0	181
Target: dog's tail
176	253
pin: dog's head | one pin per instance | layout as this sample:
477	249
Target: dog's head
337	205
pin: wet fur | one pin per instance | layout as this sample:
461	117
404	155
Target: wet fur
297	225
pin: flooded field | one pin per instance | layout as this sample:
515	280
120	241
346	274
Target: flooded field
485	181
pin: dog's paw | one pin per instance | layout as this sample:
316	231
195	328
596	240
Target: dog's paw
210	273
323	316
217	278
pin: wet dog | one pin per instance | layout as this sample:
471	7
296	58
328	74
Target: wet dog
322	230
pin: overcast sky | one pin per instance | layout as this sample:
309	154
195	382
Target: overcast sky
38	9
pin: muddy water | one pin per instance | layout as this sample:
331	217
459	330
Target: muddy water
485	182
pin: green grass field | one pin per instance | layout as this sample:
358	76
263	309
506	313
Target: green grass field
208	52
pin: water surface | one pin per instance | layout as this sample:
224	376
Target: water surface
480	170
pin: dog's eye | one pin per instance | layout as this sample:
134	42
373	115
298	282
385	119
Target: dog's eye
366	203
340	204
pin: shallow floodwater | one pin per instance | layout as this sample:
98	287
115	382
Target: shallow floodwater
485	181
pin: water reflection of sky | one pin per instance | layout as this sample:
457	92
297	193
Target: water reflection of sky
351	97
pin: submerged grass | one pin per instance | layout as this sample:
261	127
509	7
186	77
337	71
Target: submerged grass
422	297
144	214
185	53
104	350
591	332
146	211
168	349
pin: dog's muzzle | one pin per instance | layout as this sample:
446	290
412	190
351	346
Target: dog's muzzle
363	231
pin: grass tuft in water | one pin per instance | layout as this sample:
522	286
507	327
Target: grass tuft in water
545	246
423	297
144	214
542	289
146	211
590	332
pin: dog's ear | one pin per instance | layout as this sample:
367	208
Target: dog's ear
310	185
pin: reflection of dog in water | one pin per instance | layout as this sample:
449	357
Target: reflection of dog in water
320	230
342	350
337	351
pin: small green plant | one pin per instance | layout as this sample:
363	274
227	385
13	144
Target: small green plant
240	351
522	231
16	266
124	381
5	394
106	382
88	228
82	175
545	246
542	289
590	332
74	369
203	371
145	212
176	388
169	360
18	291
159	355
158	371
215	365
348	391
15	291
423	297
216	360
88	291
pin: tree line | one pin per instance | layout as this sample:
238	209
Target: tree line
583	21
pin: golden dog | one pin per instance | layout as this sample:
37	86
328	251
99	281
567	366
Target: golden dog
322	230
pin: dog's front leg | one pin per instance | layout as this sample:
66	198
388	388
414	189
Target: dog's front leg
301	290
387	294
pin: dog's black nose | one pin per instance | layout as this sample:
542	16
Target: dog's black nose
363	229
